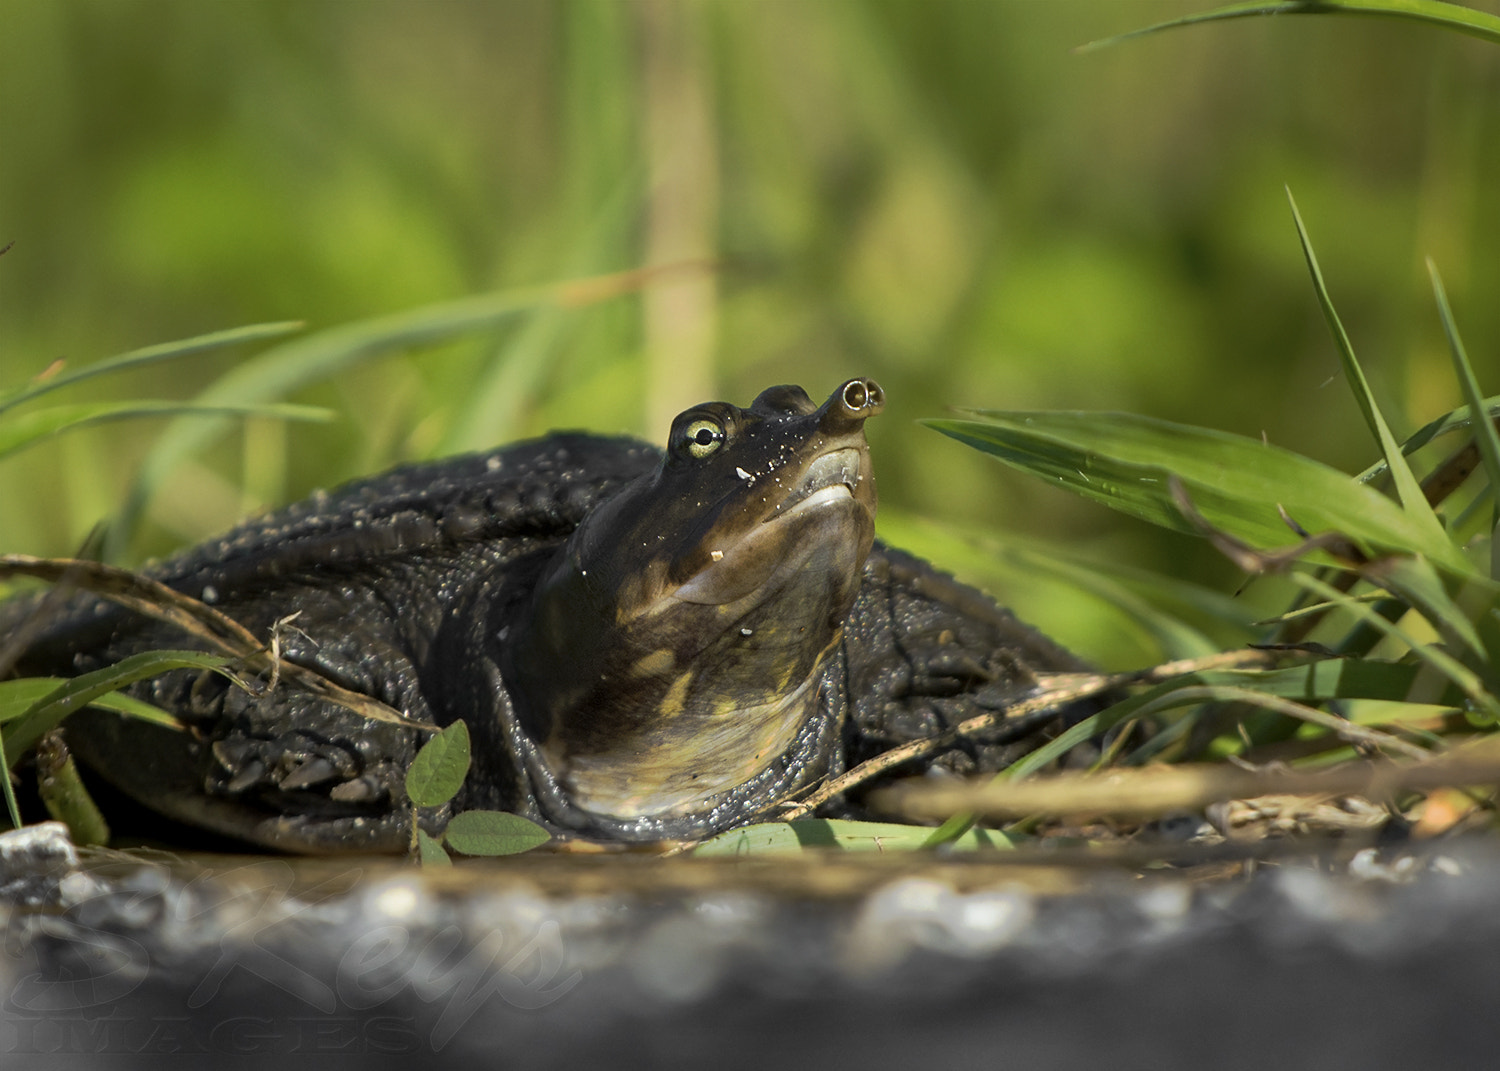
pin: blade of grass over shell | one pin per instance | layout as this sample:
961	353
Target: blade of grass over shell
1484	430
1466	679
19	432
1407	489
166	351
1124	461
1081	732
295	364
1446	16
17	696
212	627
81	691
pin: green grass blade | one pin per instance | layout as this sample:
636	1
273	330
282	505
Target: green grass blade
1431	12
1123	461
1454	420
952	828
1175	637
1417	583
839	833
1407	488
165	351
16	696
17	433
509	378
1314	682
1346	678
1169	614
82	691
1466	679
1484	430
285	368
12	807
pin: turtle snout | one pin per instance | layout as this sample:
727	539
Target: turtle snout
851	405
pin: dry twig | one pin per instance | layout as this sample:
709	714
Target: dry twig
1160	790
215	629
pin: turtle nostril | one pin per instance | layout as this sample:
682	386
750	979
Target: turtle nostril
850	406
862	397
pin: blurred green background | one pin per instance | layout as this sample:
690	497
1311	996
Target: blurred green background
936	193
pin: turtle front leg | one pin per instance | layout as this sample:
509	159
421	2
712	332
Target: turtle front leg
282	770
926	652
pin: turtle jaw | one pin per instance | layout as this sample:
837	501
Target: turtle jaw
713	714
840	469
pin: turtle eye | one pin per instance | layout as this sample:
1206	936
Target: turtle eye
702	437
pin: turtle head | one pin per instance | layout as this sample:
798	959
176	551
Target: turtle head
674	644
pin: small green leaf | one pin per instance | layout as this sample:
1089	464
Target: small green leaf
48	711
439	769
493	833
429	851
770	837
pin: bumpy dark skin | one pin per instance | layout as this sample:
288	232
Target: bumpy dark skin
464	589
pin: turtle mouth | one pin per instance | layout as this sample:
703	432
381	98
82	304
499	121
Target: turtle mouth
831	504
832	477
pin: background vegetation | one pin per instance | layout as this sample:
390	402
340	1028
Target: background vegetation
939	194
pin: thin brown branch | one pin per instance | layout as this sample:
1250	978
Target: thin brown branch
1254	560
1340	727
219	632
1056	690
1160	790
